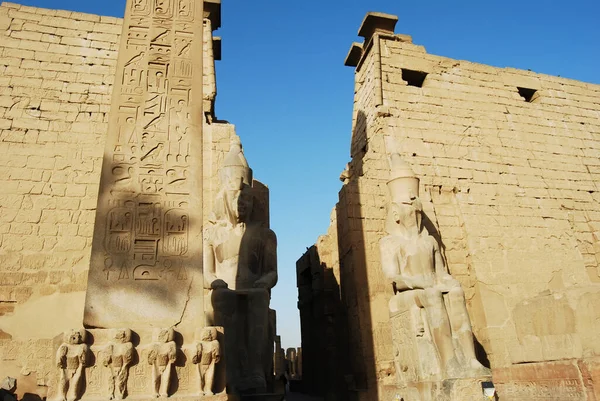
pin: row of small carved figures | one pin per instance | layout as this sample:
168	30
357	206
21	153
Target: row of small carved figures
72	358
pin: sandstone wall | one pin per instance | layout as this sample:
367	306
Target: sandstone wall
514	188
323	332
510	188
56	75
57	69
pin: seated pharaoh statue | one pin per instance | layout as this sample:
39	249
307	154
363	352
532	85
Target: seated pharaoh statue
240	268
413	262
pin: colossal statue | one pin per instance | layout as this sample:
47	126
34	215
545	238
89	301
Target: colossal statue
412	261
240	268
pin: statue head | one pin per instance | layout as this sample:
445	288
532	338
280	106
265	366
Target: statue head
405	209
122	335
407	216
235	171
208	334
74	337
165	335
403	184
242	204
236	197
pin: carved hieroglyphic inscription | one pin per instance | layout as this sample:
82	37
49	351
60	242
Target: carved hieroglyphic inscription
556	389
151	175
406	364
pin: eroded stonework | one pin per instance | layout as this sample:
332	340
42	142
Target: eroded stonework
143	89
240	269
71	359
148	219
208	355
508	168
431	330
119	356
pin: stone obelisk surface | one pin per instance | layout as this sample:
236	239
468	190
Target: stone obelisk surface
146	263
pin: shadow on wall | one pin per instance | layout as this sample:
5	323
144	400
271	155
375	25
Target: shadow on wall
240	264
324	334
31	397
354	284
142	241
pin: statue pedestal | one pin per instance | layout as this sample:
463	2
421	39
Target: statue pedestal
444	390
418	373
415	356
216	397
244	315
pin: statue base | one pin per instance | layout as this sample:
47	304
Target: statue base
184	379
445	390
262	397
215	397
571	379
418	372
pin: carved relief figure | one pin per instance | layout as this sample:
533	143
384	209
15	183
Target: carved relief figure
162	356
71	359
119	356
412	261
240	268
208	354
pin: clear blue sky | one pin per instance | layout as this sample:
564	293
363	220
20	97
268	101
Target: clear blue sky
283	84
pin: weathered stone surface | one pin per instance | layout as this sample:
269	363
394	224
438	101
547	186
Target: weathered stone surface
508	163
161	360
208	355
71	359
58	70
146	251
50	156
431	330
240	268
560	380
118	355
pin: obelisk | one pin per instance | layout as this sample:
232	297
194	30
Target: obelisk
146	263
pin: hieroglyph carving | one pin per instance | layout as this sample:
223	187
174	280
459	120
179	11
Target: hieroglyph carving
412	261
208	354
555	389
151	175
118	356
71	360
162	356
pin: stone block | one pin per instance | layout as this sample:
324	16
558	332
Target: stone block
27	35
78	42
7	4
17	13
561	380
108	28
85	17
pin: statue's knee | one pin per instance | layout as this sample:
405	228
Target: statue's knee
401	302
433	298
456	294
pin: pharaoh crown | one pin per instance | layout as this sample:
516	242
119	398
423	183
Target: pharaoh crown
403	183
235	171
